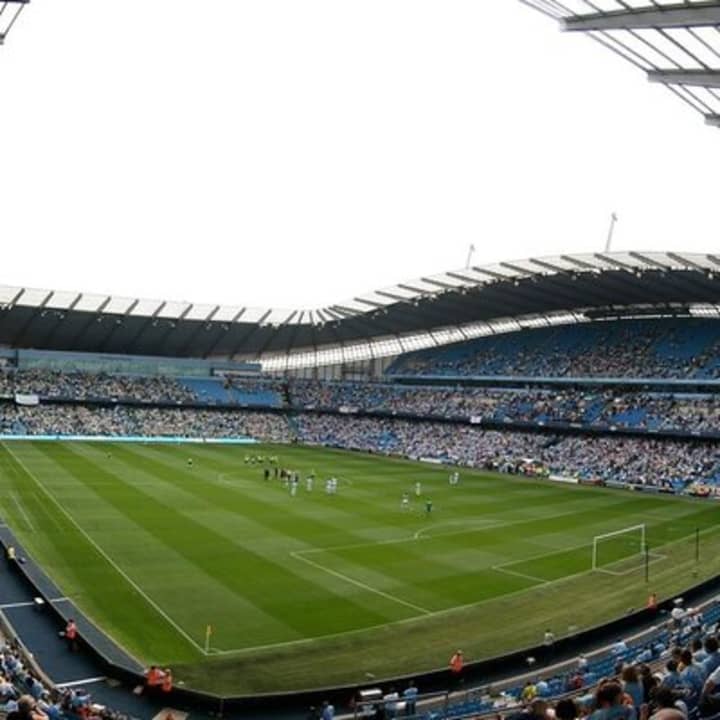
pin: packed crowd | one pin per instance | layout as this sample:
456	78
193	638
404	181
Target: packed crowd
681	412
393	398
23	696
672	675
680	348
671	672
669	464
139	421
88	386
650	462
53	384
637	410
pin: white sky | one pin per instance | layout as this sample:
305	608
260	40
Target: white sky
299	152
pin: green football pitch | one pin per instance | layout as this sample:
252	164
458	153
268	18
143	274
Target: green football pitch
316	589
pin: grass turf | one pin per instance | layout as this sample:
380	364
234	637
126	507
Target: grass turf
317	590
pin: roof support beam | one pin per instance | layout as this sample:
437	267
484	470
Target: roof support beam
16	297
649	261
549	266
412	288
92	317
670	16
346	311
437	283
712	120
12	20
150	321
695	78
37	311
677	257
199	325
391	296
466	279
492	274
371	303
172	326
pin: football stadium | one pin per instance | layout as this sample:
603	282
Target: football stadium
489	492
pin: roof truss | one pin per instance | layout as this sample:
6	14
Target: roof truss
677	44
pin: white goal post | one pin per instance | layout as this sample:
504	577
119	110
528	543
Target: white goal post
599	538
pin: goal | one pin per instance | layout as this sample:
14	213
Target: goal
618	545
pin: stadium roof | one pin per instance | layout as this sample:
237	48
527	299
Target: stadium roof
429	311
674	43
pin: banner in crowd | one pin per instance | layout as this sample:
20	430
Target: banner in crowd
564	479
26	399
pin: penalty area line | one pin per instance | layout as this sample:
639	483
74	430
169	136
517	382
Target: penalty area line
500	568
298	556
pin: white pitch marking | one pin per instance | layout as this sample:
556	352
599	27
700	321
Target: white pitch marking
500	568
298	556
656	557
418	534
22	511
120	571
435	613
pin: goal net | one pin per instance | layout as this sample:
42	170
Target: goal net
619	545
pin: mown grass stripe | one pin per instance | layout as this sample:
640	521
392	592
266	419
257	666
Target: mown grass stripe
499	611
83	573
156	606
214	554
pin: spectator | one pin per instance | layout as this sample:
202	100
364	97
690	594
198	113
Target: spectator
609	705
410	695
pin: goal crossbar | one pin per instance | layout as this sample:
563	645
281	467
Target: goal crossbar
623	531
